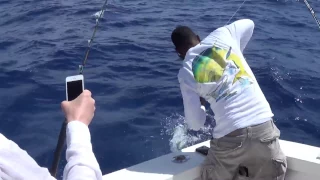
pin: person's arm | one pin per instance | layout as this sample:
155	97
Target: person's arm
194	112
241	31
16	163
82	164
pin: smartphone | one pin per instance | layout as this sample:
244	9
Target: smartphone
74	87
203	150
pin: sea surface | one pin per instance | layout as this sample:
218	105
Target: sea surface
132	71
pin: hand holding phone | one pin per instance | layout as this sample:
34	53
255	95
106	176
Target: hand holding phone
80	105
80	109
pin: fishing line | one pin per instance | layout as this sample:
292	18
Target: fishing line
62	134
90	41
312	12
236	11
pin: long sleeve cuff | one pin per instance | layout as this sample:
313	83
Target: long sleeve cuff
78	133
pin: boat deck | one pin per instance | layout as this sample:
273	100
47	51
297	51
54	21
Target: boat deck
303	163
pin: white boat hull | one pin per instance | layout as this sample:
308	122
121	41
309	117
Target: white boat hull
303	164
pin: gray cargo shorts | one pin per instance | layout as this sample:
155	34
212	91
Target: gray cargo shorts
250	153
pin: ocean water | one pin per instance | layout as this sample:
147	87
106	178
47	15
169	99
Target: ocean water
132	71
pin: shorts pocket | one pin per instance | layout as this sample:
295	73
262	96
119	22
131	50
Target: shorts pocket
270	135
226	144
207	172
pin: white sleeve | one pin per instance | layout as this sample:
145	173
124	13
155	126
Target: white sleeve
194	112
16	163
241	31
82	163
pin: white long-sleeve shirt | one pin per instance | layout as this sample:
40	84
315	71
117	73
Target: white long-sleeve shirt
16	164
216	70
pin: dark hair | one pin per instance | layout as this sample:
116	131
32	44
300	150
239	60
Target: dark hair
183	36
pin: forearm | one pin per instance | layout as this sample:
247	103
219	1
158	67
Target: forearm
195	118
242	31
82	163
195	113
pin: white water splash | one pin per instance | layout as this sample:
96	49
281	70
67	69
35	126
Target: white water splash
298	100
180	136
276	74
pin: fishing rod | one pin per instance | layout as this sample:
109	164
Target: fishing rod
62	134
312	12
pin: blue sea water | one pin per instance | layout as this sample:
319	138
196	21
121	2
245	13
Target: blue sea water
132	70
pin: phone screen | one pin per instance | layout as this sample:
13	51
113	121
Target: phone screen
74	89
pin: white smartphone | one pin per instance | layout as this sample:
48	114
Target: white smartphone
74	87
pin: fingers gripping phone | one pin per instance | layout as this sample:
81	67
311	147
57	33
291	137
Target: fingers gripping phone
74	87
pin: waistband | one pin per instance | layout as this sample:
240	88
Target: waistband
254	129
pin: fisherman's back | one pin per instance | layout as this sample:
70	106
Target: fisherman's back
245	138
218	72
